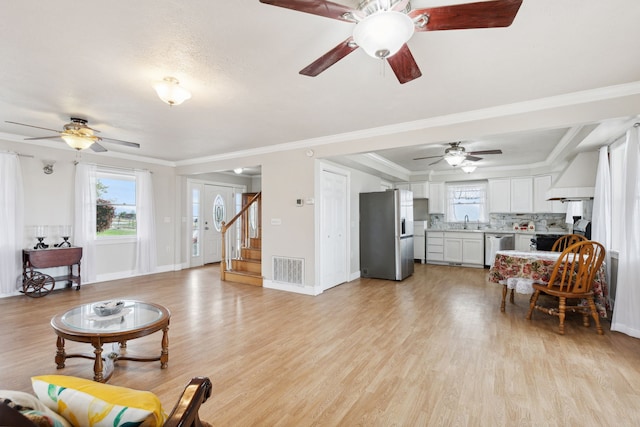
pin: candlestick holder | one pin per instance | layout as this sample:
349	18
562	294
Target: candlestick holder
41	232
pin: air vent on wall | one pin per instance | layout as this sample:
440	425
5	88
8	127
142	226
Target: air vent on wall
288	270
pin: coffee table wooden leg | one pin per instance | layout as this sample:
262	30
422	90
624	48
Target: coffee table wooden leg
164	355
61	356
97	364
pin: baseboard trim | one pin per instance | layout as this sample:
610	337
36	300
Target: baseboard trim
305	290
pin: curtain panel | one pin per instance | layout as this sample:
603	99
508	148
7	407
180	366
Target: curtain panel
601	218
146	256
11	222
84	222
626	316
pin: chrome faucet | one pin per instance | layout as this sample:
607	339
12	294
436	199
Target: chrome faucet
466	221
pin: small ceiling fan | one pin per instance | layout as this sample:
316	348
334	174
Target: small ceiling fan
456	155
79	136
383	27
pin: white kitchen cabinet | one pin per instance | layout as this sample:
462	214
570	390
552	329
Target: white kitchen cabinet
500	195
452	249
419	248
464	248
523	242
541	185
420	190
473	250
436	198
522	194
435	250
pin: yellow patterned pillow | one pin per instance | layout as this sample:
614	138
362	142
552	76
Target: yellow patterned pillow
86	403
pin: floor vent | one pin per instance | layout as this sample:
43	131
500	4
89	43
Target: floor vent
288	270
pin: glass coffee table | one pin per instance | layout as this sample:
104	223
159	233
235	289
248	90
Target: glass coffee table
135	319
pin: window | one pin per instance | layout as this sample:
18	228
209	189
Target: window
468	199
195	225
115	205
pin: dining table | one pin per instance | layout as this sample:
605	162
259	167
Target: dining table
519	270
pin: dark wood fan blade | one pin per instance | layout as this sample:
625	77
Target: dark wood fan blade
472	158
488	14
315	7
329	58
121	142
97	148
42	137
404	66
437	161
32	126
485	152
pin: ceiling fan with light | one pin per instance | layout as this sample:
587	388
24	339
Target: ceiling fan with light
79	136
383	27
455	155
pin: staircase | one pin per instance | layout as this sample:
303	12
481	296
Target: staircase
245	265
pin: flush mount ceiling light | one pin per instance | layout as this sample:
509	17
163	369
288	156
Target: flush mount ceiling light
238	170
170	91
382	34
467	167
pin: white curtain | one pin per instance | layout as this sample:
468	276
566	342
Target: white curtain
601	218
464	198
84	223
146	257
11	222
626	312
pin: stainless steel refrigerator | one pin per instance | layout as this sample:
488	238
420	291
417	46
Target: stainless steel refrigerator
386	234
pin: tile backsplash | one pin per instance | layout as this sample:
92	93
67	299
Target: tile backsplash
542	221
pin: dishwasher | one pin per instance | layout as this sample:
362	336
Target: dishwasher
494	242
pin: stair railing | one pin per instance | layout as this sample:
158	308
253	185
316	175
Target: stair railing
225	265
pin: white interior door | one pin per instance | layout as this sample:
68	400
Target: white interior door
218	207
333	229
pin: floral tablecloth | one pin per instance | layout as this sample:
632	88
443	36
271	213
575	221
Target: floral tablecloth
518	271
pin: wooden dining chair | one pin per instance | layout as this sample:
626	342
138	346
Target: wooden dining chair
572	278
565	241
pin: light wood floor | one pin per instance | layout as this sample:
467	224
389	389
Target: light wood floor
429	351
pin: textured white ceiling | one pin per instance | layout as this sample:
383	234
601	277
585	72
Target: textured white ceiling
240	59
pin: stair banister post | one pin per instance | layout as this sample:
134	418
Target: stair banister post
223	264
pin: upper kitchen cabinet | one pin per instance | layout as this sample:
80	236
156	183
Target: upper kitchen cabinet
511	195
436	198
522	194
500	195
541	184
420	190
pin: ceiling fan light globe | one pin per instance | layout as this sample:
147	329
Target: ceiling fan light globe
455	159
467	168
78	142
383	33
170	91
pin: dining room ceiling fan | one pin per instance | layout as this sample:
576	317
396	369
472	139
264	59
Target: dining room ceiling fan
383	27
78	136
456	154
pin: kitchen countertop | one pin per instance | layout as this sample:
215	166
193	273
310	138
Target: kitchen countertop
497	231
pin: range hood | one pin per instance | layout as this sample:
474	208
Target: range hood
578	180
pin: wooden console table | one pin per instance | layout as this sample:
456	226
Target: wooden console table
38	284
